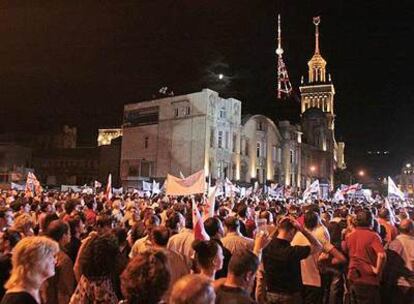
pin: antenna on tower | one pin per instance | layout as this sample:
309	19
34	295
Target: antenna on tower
283	83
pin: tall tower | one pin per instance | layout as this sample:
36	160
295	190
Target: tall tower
284	87
318	92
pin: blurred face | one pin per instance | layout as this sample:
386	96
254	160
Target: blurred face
46	267
218	261
26	208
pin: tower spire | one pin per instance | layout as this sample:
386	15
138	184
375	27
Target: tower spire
317	65
316	21
283	84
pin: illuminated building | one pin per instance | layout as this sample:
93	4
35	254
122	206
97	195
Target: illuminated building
105	136
184	134
318	117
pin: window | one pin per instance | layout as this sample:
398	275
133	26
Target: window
259	126
223	112
227	140
274	153
247	148
176	112
234	142
220	139
132	170
187	110
146	169
146	142
219	169
211	137
258	148
292	157
141	117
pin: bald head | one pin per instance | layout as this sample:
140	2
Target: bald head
407	226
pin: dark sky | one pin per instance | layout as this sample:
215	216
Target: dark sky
78	62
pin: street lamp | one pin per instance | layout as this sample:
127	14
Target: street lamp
312	169
361	173
220	76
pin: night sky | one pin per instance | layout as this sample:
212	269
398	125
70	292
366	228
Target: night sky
79	62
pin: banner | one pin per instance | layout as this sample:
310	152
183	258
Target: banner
192	184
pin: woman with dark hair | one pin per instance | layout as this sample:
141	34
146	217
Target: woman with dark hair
209	257
95	285
146	278
9	239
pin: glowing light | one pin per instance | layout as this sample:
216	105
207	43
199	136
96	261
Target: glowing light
361	173
408	165
312	168
221	76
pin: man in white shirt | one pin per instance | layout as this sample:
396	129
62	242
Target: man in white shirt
234	240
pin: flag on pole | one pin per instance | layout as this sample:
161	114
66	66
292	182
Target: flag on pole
192	184
393	190
108	190
210	202
198	224
97	184
338	196
155	187
229	188
350	189
313	188
146	186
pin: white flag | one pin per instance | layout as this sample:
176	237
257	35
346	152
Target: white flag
313	188
146	186
97	184
108	190
394	190
338	196
155	187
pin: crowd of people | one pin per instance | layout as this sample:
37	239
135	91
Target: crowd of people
79	248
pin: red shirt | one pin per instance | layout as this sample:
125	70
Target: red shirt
363	245
90	217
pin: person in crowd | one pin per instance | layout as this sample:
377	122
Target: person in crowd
95	284
384	219
70	209
399	271
193	289
214	229
24	224
209	257
310	268
175	222
6	218
103	226
233	239
146	278
9	239
241	275
144	243
76	225
182	242
90	214
281	262
178	263
366	260
59	288
33	262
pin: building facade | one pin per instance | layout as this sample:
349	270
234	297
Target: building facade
181	134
